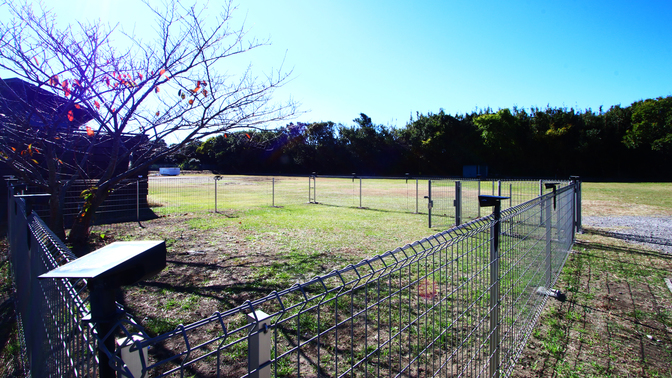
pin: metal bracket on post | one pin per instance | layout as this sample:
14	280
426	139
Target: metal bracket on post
259	345
132	356
496	201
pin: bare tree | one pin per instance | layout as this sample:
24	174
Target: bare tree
133	97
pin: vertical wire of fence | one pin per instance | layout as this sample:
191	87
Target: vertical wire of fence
429	308
55	341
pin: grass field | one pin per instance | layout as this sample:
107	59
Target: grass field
202	193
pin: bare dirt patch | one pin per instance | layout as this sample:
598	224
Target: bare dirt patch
216	270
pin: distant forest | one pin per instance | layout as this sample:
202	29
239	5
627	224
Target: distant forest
622	143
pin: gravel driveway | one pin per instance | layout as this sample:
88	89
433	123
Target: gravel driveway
654	232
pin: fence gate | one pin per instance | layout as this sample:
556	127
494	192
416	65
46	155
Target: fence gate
441	203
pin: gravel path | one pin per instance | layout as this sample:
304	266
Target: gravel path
654	232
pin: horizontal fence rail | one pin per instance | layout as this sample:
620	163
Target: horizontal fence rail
442	306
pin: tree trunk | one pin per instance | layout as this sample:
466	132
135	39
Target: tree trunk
56	213
79	233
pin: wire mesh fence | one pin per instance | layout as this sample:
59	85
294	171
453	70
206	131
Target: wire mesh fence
460	303
387	194
144	198
56	342
454	201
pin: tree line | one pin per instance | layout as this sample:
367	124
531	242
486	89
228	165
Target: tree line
626	143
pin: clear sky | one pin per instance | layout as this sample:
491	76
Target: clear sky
391	59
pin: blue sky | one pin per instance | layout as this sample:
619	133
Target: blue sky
391	59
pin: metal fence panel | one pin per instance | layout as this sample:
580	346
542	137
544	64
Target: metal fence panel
426	309
460	303
56	343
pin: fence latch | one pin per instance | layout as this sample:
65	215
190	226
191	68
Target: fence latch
430	203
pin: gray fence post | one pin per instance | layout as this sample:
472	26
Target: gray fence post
458	203
314	187
259	345
495	230
499	188
312	182
217	178
273	192
510	195
548	218
360	192
479	194
417	195
576	181
429	202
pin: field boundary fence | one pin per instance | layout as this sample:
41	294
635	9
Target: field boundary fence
462	302
445	201
436	198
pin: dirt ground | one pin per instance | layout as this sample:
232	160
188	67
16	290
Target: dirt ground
616	320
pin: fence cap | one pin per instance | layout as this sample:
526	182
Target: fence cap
487	201
117	264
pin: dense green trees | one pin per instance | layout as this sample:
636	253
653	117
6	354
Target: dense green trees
633	142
